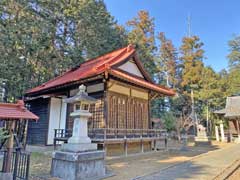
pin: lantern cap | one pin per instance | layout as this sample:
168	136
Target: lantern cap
81	96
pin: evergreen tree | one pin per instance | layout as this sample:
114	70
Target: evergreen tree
42	39
234	66
167	62
191	56
234	55
95	30
141	34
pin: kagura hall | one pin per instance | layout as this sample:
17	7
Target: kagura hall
121	116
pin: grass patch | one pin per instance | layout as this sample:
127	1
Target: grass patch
40	164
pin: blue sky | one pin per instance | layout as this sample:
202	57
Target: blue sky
214	21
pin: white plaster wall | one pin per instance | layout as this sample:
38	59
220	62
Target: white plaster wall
57	117
132	68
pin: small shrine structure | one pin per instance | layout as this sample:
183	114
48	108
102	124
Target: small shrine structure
230	114
14	118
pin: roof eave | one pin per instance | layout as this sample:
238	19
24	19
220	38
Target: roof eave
66	85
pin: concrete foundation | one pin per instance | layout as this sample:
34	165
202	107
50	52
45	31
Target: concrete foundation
78	166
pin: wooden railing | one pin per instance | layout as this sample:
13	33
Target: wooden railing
112	133
62	133
101	134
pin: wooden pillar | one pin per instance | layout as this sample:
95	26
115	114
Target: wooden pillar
104	141
238	131
105	105
125	146
25	134
142	145
229	132
7	166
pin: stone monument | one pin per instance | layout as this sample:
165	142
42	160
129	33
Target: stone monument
79	159
201	137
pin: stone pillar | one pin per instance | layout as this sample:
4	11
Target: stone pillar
216	133
222	132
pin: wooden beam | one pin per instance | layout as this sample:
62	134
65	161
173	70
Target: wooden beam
7	166
106	105
142	145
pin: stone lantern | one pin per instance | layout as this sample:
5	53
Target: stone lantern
79	159
80	140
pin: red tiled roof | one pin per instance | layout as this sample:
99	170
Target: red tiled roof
88	69
141	82
15	111
98	66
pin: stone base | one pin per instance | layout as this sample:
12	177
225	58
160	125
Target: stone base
72	147
236	140
78	166
6	176
202	140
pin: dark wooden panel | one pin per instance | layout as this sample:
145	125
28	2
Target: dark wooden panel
127	112
37	131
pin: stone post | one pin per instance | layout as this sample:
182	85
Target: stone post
222	132
79	140
216	133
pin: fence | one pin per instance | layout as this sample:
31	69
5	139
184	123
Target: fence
20	163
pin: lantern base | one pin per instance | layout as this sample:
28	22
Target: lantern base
80	147
78	166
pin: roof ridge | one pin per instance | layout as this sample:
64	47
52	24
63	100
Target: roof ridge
109	60
103	55
126	49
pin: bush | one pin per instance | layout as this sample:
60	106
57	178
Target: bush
169	121
3	135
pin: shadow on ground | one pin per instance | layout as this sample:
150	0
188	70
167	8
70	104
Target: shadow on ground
179	171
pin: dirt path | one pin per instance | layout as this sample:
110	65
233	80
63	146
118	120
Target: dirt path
203	167
132	167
